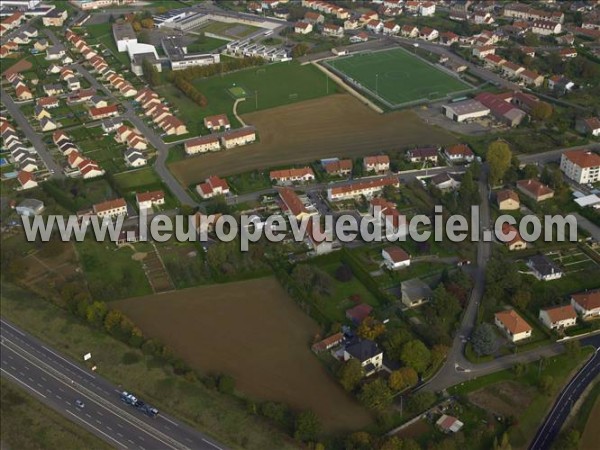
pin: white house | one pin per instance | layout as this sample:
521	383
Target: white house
302	175
368	353
212	187
149	199
395	258
543	268
559	317
587	304
582	166
513	325
379	163
111	208
303	27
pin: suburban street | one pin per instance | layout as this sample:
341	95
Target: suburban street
34	138
561	409
58	383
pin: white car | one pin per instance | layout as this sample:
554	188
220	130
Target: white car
79	403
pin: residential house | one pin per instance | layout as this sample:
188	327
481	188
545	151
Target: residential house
134	158
55	18
30	207
448	38
388	217
39	112
90	169
47	124
368	353
337	167
303	27
588	126
55	52
493	61
508	200
562	85
409	31
500	108
202	144
511	69
357	188
238	137
545	27
559	317
359	37
328	343
395	258
391	28
286	176
149	199
587	304
48	102
581	166
26	180
459	153
53	89
423	154
427	9
543	268
513	239
378	164
428	34
535	189
415	292
531	78
566	53
445	181
293	205
103	112
330	29
483	18
374	26
212	187
513	325
217	123
314	17
23	93
111	208
74	159
358	313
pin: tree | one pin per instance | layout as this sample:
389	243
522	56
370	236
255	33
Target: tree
226	384
498	158
376	395
350	374
531	40
421	401
137	27
438	354
520	369
402	378
569	440
370	328
151	75
147	23
522	298
573	349
541	111
300	50
530	171
307	426
359	440
445	305
393	342
483	339
343	273
504	443
416	355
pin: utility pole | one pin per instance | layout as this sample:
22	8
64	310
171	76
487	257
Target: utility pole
377	84
256	98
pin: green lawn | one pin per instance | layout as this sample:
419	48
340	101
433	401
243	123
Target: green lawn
145	178
397	76
276	85
110	271
229	30
45	428
205	44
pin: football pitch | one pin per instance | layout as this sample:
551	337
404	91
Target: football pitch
397	77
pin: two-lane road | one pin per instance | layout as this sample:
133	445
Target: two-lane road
561	409
58	382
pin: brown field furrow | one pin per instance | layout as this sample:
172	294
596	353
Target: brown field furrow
337	125
254	332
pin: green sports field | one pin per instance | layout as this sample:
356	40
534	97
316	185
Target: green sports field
397	77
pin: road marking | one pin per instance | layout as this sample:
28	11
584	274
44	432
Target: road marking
99	431
13	328
170	421
108	428
58	397
23	383
98	422
119	434
210	443
68	362
13	367
99	413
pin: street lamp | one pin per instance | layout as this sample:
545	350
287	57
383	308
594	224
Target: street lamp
377	84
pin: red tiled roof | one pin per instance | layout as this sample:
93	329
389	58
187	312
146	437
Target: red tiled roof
109	204
292	201
587	300
534	187
560	313
583	158
397	254
513	322
150	196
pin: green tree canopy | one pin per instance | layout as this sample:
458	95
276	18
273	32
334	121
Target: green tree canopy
498	158
416	355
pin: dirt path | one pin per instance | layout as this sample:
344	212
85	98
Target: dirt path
337	125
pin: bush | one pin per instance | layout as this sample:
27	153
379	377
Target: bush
226	384
130	358
343	273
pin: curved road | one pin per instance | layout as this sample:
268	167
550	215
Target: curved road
58	383
561	409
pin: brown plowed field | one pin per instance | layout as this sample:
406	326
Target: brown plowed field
337	125
253	331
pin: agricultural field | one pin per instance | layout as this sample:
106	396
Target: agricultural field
591	432
340	126
261	340
397	77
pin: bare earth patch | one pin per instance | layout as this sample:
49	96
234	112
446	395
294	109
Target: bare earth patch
139	256
253	331
507	398
591	433
337	125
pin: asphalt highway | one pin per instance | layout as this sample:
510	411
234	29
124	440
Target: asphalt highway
59	383
550	428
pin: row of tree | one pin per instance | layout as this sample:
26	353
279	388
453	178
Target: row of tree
216	69
190	91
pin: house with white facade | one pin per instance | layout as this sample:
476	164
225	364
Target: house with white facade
395	258
581	166
587	304
559	317
368	353
513	325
